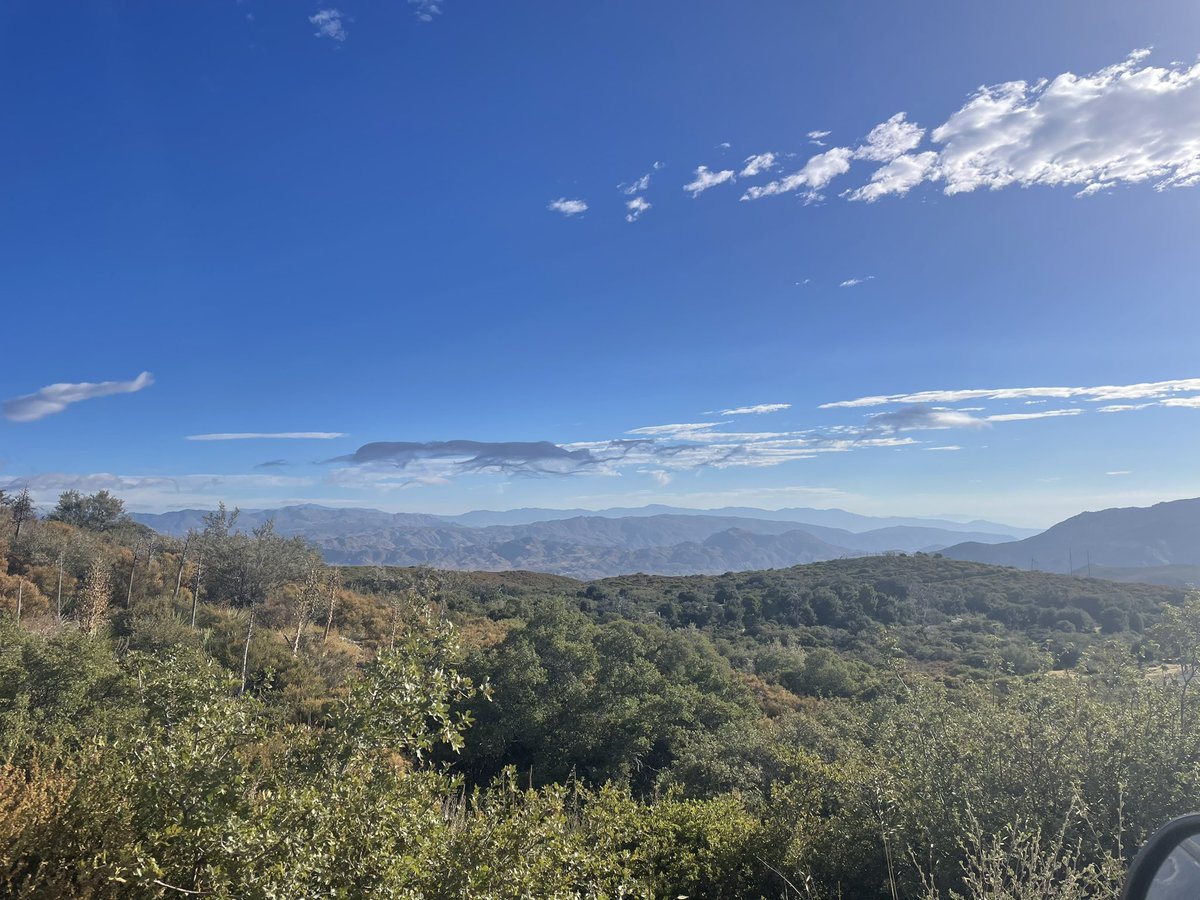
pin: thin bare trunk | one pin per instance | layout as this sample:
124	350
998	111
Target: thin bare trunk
179	572
196	588
132	570
246	650
20	598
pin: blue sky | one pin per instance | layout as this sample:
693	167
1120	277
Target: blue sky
367	220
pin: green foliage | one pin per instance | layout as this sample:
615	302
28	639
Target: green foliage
100	511
596	702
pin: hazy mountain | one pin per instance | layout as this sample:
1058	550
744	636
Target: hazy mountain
728	550
1166	534
580	546
830	518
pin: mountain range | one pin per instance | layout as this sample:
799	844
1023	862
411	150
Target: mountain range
599	544
1157	544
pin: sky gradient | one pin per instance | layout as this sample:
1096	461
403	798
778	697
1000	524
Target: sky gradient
444	256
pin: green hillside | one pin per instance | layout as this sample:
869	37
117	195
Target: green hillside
223	715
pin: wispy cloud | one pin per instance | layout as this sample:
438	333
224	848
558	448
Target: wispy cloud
426	9
706	179
661	451
1150	390
635	208
268	435
757	410
1119	472
756	165
329	24
818	137
273	464
812	178
854	282
1028	416
567	207
54	398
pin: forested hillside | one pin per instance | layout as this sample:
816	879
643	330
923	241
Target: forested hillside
224	715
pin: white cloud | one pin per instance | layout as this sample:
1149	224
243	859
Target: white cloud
1151	390
329	24
426	9
890	139
817	137
1044	414
567	207
683	428
268	435
817	172
724	145
636	186
1118	472
54	398
946	447
853	282
756	410
1124	124
757	164
1112	408
1182	402
1127	123
706	179
636	207
899	176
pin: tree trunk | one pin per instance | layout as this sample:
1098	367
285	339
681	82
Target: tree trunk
306	604
179	573
246	650
196	588
132	570
20	598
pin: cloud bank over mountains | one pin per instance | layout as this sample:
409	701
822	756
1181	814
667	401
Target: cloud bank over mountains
660	452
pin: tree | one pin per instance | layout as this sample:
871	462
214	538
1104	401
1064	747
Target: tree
22	511
100	511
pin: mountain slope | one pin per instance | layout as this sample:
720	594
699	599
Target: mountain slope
1166	534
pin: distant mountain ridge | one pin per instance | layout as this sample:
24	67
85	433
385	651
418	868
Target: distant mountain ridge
591	546
1128	538
831	518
